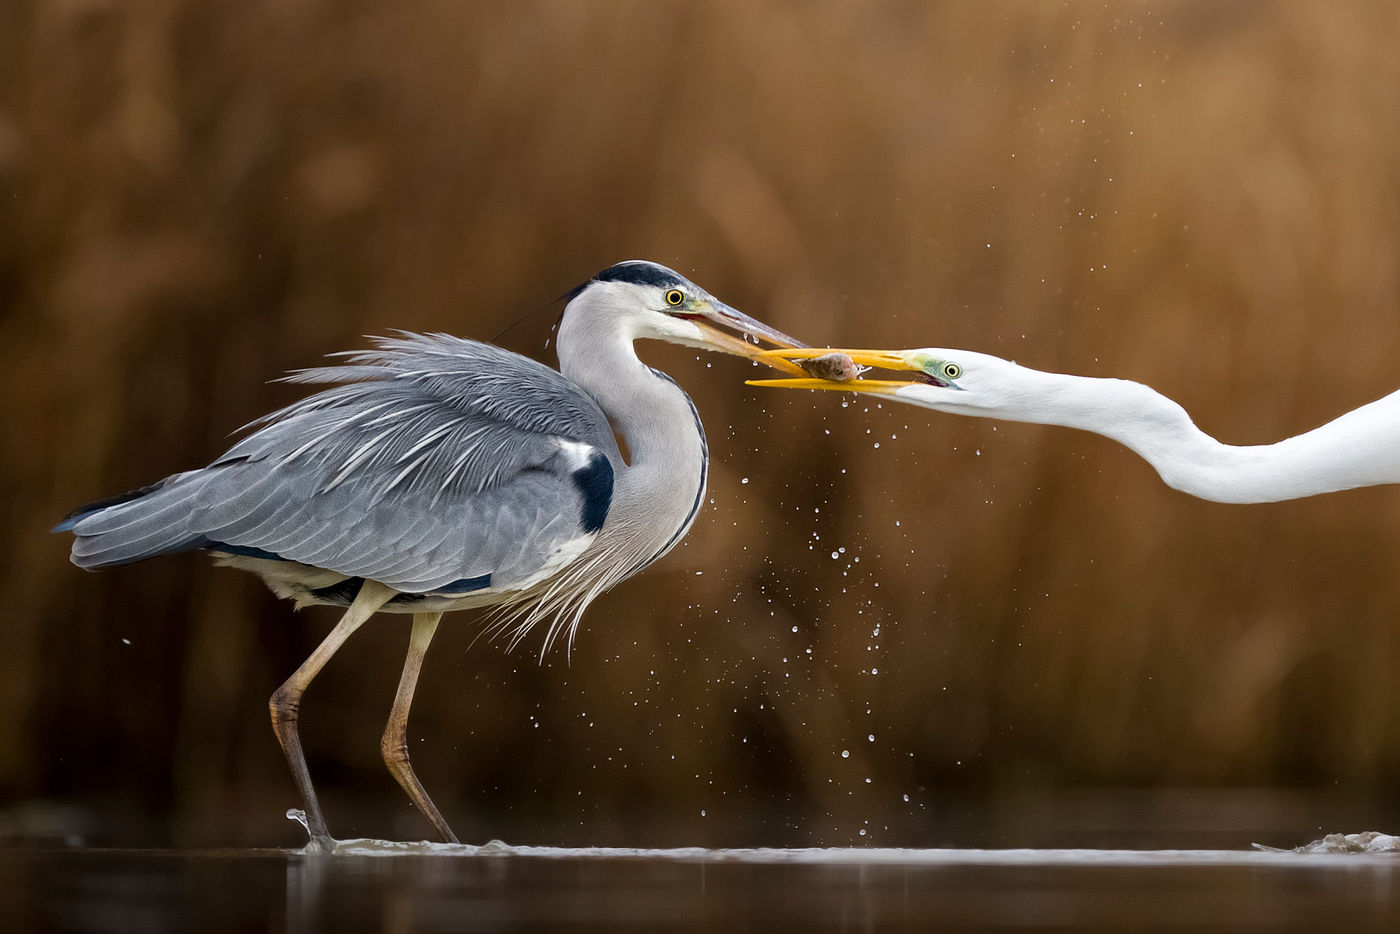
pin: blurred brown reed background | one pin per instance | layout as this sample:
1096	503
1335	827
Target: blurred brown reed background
198	196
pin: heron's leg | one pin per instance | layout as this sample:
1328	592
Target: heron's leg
394	745
286	700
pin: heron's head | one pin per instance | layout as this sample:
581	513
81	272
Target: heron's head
643	300
960	381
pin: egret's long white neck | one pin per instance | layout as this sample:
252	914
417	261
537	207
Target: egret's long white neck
665	477
1360	448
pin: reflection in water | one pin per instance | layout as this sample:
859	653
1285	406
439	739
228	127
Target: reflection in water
430	887
497	887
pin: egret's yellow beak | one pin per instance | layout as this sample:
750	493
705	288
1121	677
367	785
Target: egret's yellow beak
902	360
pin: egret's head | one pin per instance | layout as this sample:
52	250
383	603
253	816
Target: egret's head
637	299
961	381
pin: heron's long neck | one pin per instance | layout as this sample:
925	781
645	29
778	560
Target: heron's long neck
1360	448
665	477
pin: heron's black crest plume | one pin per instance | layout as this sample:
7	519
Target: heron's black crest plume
636	271
640	272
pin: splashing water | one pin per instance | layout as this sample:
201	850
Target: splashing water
298	815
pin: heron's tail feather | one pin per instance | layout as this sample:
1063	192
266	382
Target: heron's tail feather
146	522
82	512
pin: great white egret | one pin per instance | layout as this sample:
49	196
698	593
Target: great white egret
1360	448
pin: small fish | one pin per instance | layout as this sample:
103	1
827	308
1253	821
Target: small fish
832	366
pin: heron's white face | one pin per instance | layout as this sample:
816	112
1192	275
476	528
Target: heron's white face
651	312
641	300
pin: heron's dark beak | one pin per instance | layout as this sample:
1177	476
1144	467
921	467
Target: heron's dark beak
710	312
901	360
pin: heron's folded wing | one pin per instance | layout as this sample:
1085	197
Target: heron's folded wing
429	472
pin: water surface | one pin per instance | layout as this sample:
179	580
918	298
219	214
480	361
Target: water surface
372	885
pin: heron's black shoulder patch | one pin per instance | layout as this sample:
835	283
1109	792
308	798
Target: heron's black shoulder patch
595	481
641	272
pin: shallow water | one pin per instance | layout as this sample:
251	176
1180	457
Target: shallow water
432	887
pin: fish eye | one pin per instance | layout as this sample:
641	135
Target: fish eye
951	370
674	297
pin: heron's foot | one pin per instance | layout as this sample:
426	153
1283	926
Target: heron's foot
396	758
320	845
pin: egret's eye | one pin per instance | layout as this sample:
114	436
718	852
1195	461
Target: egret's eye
674	297
951	370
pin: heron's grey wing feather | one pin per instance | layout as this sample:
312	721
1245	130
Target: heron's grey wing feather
380	532
448	460
471	377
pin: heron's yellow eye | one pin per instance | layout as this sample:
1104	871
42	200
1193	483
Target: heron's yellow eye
951	370
674	297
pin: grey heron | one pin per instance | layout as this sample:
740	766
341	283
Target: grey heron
440	473
1359	448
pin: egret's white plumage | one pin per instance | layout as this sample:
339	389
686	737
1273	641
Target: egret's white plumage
1360	448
